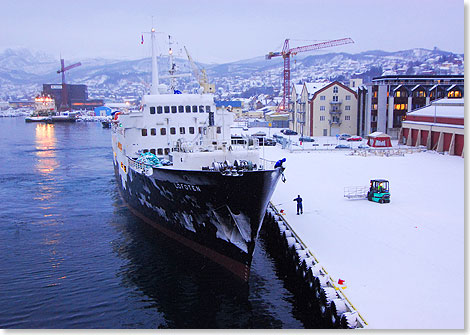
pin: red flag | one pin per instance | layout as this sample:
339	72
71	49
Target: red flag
142	41
340	281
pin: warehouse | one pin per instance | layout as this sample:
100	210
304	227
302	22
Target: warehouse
438	126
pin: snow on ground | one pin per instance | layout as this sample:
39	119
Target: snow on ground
402	262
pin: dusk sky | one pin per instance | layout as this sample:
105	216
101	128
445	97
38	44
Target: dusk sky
223	31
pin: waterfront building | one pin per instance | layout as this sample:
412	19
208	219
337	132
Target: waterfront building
384	103
439	126
325	109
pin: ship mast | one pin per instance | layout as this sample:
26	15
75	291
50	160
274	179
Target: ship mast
154	88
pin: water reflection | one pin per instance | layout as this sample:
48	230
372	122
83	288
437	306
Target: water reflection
45	148
189	291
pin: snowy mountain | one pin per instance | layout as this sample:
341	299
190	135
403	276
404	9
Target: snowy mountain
22	72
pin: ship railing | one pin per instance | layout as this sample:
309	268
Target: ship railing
139	167
267	164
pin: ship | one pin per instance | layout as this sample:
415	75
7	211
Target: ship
45	111
178	170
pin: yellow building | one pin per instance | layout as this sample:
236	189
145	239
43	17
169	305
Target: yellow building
325	109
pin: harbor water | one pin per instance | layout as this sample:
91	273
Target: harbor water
73	256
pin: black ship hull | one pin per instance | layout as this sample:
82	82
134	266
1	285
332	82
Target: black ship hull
216	215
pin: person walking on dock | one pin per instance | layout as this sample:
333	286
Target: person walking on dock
299	205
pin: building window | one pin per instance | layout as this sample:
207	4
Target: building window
420	94
208	109
188	109
182	130
167	109
180	109
322	97
144	132
325	132
191	130
194	109
335	89
322	108
347	117
454	94
201	109
322	117
153	131
219	130
152	110
374	106
173	109
335	98
172	130
159	110
374	94
400	107
348	108
348	97
162	131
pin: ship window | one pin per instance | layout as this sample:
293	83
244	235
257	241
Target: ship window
199	130
159	110
162	131
201	109
191	130
172	130
208	109
146	150
182	130
153	131
194	109
152	110
180	109
152	151
144	132
167	109
188	109
159	151
167	151
173	109
219	130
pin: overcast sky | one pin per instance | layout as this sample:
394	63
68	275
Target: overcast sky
221	31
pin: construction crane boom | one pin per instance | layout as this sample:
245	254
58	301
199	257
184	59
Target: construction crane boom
200	75
63	68
287	52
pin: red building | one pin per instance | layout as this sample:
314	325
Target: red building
438	126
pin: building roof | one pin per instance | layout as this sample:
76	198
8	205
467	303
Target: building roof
312	88
378	134
453	108
227	103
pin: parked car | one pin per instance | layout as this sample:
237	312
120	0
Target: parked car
266	141
306	139
354	138
288	132
245	128
259	134
342	146
363	146
344	136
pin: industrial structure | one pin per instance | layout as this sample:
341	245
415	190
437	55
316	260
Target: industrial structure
286	54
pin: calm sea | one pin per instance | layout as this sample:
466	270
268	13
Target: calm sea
73	256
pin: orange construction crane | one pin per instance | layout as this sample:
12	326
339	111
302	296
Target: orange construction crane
286	54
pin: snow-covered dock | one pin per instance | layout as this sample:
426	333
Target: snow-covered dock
402	263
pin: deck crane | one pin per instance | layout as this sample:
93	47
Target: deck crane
64	103
287	52
200	75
